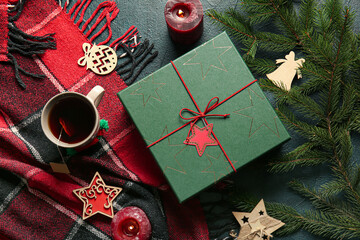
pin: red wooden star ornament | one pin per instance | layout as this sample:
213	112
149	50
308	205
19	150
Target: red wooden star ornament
97	197
201	138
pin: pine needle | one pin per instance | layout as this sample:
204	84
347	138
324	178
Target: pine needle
324	109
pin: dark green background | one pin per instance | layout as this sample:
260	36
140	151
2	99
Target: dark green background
148	16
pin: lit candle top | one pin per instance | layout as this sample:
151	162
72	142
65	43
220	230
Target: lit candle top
183	15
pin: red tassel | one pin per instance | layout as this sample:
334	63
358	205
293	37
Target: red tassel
4	30
71	11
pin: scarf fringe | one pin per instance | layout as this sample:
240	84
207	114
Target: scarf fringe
25	44
133	56
141	53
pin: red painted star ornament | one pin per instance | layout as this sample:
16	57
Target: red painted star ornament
97	197
201	138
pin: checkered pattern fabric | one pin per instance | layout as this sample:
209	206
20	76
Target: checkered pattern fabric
36	203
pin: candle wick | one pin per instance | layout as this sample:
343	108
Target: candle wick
180	13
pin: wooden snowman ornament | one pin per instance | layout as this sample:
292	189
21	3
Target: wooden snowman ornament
284	75
100	59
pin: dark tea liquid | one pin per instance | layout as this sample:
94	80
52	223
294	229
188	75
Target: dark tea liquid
76	114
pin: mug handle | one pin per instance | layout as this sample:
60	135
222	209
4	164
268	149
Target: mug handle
96	94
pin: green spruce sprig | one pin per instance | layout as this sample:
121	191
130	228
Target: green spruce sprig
324	110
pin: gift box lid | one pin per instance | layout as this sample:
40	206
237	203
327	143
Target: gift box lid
192	152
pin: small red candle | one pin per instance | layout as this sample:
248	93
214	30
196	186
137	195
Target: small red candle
184	19
131	223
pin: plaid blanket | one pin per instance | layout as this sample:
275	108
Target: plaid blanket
35	202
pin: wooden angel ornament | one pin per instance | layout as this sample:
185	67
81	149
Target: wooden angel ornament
284	75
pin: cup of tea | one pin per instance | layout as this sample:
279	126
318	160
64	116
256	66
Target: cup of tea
71	119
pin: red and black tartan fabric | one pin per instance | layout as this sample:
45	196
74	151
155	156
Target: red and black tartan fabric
35	202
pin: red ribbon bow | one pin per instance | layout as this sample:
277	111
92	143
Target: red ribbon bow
199	114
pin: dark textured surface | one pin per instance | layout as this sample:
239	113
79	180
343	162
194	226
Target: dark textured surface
148	16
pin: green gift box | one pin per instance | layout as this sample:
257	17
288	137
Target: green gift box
203	116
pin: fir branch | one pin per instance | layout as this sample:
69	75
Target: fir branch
308	13
306	106
241	28
356	176
332	188
325	110
238	27
323	200
330	226
283	14
287	163
329	109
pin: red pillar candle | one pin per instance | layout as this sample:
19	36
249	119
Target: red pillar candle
131	223
184	19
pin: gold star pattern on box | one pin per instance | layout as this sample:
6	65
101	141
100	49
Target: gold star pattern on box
217	160
172	143
257	225
209	58
252	111
97	197
148	89
170	140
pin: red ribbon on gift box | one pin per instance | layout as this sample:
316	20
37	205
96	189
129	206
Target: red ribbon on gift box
202	115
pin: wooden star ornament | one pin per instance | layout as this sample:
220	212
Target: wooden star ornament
97	197
201	138
257	225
